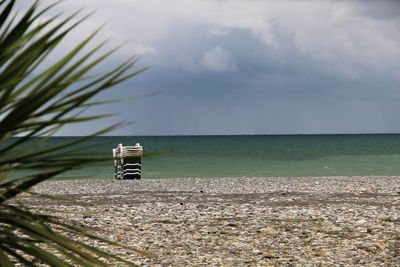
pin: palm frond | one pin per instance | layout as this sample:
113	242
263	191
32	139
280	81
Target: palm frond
34	105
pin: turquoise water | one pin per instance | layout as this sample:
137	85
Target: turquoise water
261	155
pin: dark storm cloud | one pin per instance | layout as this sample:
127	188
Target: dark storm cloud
378	9
253	67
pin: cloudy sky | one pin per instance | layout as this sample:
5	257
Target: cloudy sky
252	67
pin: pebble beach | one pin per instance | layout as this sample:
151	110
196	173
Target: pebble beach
275	221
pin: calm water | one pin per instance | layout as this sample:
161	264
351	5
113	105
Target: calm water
271	155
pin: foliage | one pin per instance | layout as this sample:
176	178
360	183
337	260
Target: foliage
35	102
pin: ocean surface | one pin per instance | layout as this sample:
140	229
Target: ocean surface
253	156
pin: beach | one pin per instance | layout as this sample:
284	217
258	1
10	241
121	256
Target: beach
243	221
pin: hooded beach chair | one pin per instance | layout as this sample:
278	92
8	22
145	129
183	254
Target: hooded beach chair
128	162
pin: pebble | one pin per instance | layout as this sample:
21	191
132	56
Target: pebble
314	221
360	222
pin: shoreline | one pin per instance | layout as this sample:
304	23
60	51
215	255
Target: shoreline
314	221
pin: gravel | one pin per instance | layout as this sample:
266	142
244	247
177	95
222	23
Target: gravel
276	221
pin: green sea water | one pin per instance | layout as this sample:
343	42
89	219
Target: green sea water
253	156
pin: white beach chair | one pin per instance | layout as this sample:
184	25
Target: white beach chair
128	162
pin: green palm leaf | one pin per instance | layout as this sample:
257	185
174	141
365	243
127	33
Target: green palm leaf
35	106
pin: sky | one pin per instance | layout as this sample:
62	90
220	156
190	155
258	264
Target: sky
226	67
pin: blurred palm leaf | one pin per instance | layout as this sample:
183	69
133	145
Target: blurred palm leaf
34	104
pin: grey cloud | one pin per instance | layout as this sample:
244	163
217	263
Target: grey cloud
219	60
278	66
378	9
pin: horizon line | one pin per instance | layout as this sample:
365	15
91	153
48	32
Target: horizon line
195	135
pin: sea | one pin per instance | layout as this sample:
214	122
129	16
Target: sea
250	155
